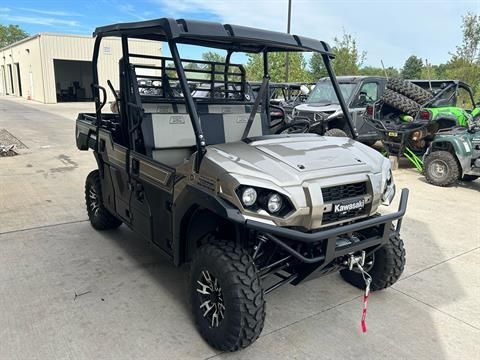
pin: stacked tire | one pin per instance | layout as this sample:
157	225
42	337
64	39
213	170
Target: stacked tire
405	96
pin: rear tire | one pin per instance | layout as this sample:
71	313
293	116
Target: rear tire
100	217
231	289
441	168
408	89
387	267
335	132
400	102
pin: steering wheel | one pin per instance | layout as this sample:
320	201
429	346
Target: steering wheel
295	127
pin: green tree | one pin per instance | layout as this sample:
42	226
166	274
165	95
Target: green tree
470	47
378	71
371	71
10	34
192	74
465	62
434	72
317	67
276	61
348	58
412	68
215	57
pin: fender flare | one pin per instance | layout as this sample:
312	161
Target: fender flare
454	143
188	204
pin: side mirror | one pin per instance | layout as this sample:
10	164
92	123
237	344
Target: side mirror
276	113
98	99
361	99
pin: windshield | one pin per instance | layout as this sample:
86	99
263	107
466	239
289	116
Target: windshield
323	93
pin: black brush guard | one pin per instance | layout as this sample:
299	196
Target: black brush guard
327	239
402	130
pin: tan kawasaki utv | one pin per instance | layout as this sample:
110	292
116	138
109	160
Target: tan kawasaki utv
204	181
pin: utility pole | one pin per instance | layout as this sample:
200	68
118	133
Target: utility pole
288	31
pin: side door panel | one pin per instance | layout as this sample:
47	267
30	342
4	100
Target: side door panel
363	128
116	193
151	200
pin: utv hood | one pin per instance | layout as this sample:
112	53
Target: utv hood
292	159
312	154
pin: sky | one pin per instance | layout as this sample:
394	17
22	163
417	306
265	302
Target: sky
388	30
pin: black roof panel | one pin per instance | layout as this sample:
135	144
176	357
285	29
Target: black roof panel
215	35
440	82
354	78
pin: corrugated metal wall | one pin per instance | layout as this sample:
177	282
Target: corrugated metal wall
27	55
36	60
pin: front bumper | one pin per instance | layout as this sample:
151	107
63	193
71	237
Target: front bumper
395	125
328	239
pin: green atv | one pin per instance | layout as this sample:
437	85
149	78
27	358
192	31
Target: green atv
411	113
454	154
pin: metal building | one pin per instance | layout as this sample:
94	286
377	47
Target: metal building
53	68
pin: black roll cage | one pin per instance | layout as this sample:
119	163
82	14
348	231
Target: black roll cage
450	84
232	38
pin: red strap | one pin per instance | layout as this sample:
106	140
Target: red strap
364	313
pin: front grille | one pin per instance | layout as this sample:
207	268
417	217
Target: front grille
340	192
331	217
305	114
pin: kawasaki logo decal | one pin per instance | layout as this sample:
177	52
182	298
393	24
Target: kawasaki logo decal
344	207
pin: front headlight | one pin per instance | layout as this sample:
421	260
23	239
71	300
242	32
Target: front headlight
388	185
258	199
274	203
249	196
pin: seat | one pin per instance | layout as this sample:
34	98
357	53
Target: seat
169	136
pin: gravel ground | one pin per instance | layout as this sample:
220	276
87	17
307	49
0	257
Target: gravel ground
7	139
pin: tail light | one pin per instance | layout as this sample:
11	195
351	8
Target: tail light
370	110
424	115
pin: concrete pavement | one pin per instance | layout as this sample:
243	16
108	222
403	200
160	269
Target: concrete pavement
130	302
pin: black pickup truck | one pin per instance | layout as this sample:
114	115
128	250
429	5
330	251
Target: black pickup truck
325	115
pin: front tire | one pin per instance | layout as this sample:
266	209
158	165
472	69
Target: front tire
226	295
441	168
386	267
335	132
99	216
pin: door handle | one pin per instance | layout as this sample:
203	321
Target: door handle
139	192
135	167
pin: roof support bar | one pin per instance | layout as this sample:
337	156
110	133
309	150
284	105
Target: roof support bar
266	74
95	89
225	72
191	108
338	92
253	112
